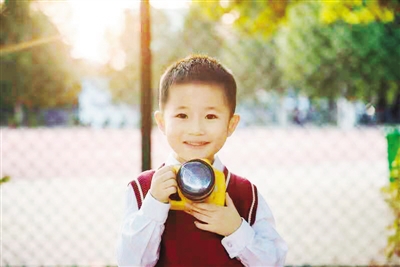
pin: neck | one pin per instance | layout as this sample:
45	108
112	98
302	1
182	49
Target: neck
182	160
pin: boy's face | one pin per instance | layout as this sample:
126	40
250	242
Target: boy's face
196	120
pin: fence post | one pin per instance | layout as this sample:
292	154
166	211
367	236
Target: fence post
145	84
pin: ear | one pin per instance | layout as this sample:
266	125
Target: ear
158	116
233	123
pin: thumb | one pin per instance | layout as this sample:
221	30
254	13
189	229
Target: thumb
176	168
229	201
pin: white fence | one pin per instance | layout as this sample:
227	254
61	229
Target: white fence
64	203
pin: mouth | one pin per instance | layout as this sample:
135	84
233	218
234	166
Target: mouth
196	144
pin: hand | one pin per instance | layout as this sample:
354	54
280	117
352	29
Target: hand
217	219
163	184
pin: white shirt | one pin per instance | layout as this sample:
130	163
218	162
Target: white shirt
141	232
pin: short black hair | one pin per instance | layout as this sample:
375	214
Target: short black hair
198	69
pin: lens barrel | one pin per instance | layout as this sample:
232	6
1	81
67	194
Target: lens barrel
196	180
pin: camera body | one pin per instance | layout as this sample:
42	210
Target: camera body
198	181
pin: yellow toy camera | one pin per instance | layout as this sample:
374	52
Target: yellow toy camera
198	181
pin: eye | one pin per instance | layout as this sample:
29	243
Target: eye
181	116
211	116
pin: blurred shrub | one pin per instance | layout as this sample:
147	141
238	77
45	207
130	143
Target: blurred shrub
392	193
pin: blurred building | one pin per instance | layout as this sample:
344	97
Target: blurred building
96	107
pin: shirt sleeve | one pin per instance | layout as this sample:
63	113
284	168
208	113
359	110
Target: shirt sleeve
259	244
141	231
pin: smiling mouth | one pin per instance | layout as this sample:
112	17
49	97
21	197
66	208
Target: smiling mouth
196	144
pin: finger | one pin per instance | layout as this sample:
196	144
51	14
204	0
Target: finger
205	206
169	182
209	213
229	201
170	190
168	175
188	207
164	170
200	216
203	226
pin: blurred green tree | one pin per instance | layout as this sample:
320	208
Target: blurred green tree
253	61
358	61
172	39
125	83
35	76
326	48
265	17
202	34
359	11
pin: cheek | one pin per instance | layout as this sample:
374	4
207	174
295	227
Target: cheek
172	129
220	133
169	131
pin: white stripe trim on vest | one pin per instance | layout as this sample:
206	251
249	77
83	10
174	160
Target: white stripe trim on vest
227	179
252	204
140	190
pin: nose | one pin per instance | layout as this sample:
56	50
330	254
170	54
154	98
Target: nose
196	127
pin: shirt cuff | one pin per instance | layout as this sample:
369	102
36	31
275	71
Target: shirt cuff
154	209
238	240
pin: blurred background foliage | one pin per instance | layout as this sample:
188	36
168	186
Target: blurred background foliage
391	192
324	49
41	76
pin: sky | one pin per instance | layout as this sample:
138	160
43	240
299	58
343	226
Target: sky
84	25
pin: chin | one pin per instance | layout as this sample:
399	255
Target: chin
194	157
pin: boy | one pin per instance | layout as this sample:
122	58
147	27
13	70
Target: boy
197	100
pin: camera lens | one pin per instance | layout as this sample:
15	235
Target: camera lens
196	180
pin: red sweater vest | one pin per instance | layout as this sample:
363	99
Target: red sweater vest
182	243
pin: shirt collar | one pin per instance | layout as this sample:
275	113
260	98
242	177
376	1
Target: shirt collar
171	160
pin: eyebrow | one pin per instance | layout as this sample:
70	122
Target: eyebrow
207	108
213	108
